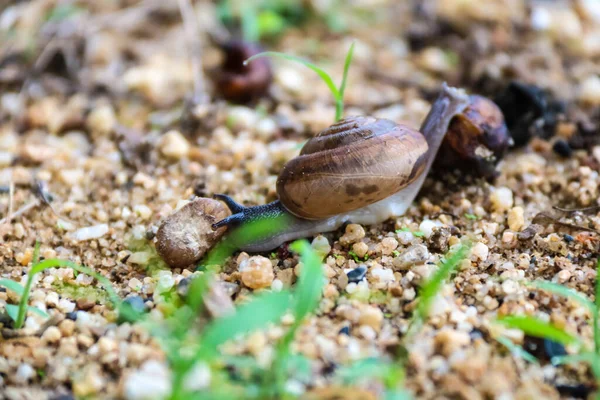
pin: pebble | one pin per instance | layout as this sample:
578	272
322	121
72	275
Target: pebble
480	251
357	274
151	381
416	254
589	90
516	219
67	327
502	199
102	119
353	234
174	145
321	245
89	232
66	306
257	272
388	245
360	249
562	148
427	227
52	334
371	316
24	373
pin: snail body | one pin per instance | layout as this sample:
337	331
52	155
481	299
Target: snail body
362	169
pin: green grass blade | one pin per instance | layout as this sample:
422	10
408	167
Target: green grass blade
253	315
324	75
538	328
12	285
54	263
587	357
564	291
517	350
12	311
433	285
250	29
310	284
339	111
36	252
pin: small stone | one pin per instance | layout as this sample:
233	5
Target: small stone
24	373
85	304
354	233
89	232
480	251
102	119
66	306
257	272
502	199
360	249
67	327
416	254
143	211
52	335
562	148
357	274
447	341
371	316
589	90
427	227
151	381
174	145
516	219
52	299
321	245
135	284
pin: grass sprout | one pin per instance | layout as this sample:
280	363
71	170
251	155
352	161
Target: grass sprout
19	313
542	329
434	284
337	92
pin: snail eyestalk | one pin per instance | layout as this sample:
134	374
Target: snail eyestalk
337	92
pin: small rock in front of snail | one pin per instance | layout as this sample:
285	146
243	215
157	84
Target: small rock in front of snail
239	83
476	140
187	234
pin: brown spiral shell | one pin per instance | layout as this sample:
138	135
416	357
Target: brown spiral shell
353	163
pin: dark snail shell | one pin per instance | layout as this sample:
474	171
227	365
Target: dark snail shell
476	139
353	163
241	83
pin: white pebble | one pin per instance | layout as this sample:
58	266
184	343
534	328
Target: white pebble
427	227
173	145
277	285
89	232
151	382
24	373
143	211
480	251
502	199
66	306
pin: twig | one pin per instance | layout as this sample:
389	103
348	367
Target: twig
572	210
20	211
192	33
545	219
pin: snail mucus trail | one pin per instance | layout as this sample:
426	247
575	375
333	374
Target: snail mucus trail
410	152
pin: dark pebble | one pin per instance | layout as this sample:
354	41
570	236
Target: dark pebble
554	349
562	148
476	334
2	290
579	391
357	274
569	238
72	316
344	331
183	286
6	320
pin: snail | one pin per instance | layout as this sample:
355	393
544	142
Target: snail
361	169
237	82
476	140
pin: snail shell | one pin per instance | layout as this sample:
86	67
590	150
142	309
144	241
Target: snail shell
353	163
